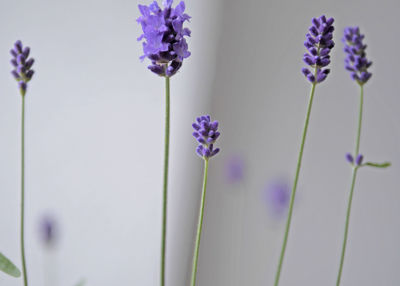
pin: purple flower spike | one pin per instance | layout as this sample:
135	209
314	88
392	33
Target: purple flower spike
22	66
319	43
356	61
349	158
206	134
359	159
164	36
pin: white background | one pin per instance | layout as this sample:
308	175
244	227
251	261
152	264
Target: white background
94	135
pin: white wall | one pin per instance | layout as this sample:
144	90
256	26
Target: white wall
94	135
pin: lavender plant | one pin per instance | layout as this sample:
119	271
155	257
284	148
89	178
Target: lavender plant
22	73
319	43
164	44
206	133
357	64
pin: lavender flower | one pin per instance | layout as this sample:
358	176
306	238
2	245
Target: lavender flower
319	44
48	230
234	169
349	158
277	195
356	60
359	159
22	64
206	134
165	44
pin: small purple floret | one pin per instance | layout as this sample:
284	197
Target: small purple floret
319	43
356	61
164	36
359	159
349	158
206	134
22	66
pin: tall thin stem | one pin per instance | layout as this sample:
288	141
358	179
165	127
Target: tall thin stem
360	114
293	194
199	225
346	229
353	182
23	191
165	184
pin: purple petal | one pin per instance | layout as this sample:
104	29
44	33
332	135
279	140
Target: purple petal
349	158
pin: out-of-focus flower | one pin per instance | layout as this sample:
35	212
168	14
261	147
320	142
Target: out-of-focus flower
277	195
164	36
356	61
22	64
234	168
48	230
358	161
319	43
349	158
206	134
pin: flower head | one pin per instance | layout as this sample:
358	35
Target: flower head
164	36
206	134
22	64
319	43
356	61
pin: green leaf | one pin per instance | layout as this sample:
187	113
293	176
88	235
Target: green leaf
81	283
378	165
8	267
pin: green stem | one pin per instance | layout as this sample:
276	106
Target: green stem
360	113
353	182
165	184
199	225
23	191
293	194
346	229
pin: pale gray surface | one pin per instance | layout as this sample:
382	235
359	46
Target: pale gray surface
95	132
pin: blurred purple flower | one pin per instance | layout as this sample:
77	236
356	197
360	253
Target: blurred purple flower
234	168
359	159
48	230
165	44
349	158
277	195
356	61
